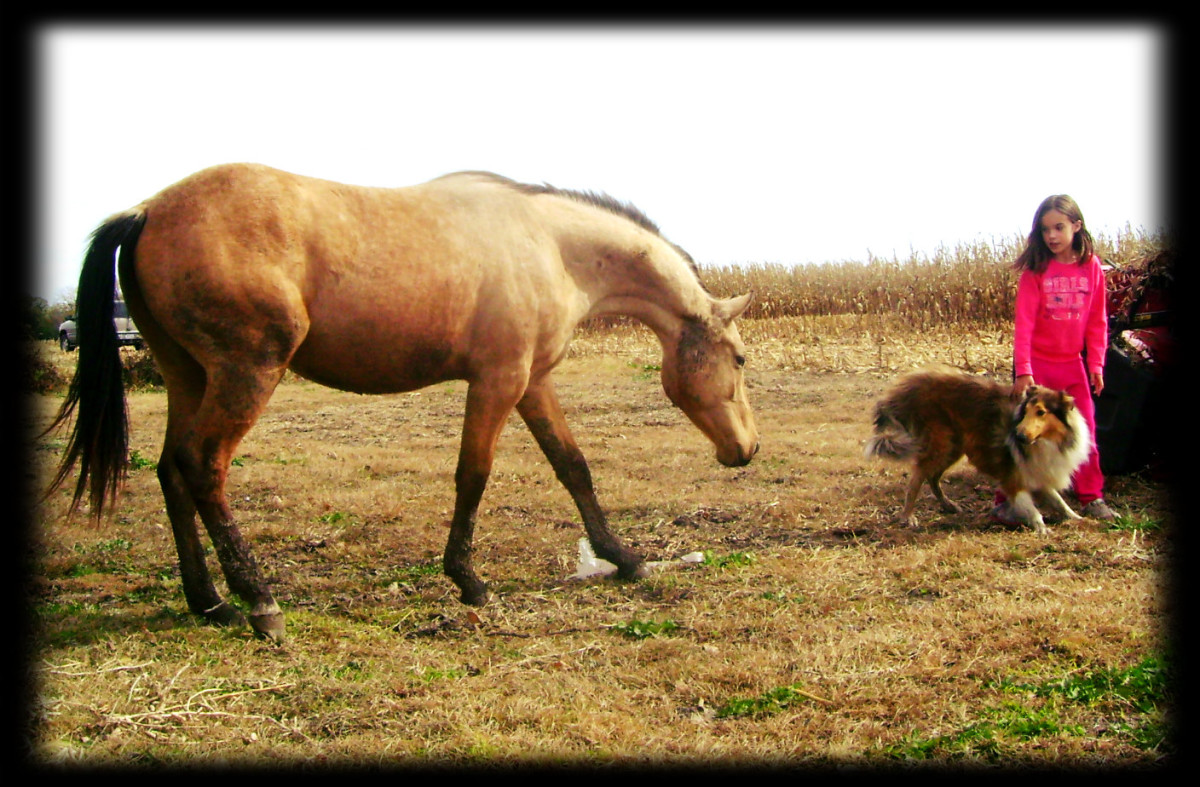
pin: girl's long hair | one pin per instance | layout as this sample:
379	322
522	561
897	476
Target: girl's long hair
1037	254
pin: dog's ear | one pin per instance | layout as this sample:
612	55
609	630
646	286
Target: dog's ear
1030	390
1060	403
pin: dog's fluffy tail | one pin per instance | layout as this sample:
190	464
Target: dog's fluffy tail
891	439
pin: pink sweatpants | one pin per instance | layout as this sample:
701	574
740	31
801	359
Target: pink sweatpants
1071	376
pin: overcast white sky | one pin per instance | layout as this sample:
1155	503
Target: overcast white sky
785	144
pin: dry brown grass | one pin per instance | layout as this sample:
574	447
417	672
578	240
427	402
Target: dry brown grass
880	644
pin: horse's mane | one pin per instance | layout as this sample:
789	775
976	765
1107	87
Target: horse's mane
598	199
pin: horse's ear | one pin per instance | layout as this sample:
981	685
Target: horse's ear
729	309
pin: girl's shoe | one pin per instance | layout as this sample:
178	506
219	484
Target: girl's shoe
1098	509
1003	514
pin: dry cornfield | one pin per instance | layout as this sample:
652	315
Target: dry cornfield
813	633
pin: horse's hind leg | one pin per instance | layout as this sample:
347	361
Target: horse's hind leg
186	383
543	415
232	401
202	597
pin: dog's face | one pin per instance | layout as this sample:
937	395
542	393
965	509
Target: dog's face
1042	415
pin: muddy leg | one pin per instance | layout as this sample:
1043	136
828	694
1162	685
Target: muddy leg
186	385
202	597
231	405
457	560
543	415
242	572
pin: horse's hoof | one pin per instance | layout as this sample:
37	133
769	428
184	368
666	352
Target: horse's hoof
268	626
633	571
224	614
476	595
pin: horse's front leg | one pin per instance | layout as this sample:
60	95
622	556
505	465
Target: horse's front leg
488	408
543	415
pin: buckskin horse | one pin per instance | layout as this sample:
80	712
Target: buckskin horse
239	272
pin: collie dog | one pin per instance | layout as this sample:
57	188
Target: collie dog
1029	444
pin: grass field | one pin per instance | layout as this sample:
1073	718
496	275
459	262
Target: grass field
813	633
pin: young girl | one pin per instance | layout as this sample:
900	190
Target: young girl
1061	331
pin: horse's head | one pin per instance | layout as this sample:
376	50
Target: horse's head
702	375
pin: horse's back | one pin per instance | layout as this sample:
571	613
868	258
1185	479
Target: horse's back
363	288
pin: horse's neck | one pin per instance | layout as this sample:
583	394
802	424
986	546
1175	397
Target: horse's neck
649	282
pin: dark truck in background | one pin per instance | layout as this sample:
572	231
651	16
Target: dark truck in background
127	332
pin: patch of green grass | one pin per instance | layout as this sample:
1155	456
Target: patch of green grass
990	739
783	597
644	629
732	560
103	557
336	518
646	371
765	704
139	462
1140	689
53	610
77	570
350	671
1025	723
114	545
405	574
430	674
104	547
149	594
976	739
1134	523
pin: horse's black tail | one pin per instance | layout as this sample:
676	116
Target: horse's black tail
99	439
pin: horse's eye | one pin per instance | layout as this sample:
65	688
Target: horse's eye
740	360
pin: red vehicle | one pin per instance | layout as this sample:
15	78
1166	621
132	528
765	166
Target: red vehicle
1141	354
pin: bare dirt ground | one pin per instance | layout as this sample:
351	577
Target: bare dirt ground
815	633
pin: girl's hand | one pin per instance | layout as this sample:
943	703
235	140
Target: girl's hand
1097	382
1022	382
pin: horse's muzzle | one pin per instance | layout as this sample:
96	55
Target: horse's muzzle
741	458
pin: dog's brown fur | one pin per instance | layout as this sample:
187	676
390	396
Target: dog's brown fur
1028	444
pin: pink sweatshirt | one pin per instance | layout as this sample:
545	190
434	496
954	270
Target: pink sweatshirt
1059	313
